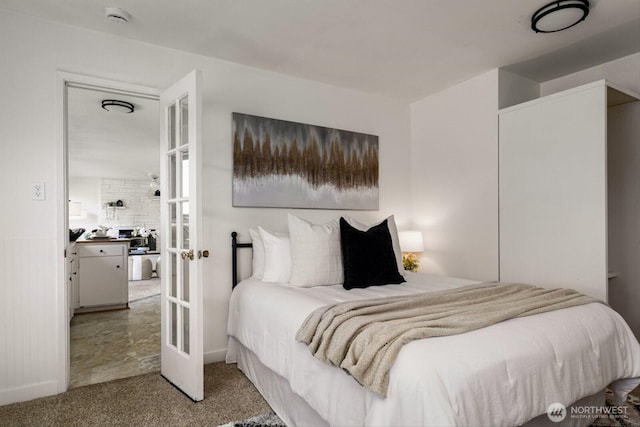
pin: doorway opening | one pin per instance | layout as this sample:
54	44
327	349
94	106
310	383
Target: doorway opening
111	186
180	143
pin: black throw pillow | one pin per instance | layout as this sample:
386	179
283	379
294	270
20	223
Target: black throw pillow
367	256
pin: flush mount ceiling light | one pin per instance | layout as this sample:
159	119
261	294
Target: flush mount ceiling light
559	15
116	14
118	106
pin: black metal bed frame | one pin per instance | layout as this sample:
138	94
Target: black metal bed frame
234	256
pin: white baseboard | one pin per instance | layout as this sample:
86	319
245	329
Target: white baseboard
215	356
28	392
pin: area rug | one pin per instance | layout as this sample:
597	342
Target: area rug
268	419
625	415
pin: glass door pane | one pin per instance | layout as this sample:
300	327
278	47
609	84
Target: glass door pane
185	281
184	120
185	174
174	325
173	265
172	171
185	330
171	128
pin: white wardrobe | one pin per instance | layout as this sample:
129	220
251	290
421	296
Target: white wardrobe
569	189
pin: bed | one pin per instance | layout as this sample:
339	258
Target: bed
505	374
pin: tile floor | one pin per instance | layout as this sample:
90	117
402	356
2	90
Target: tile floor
121	343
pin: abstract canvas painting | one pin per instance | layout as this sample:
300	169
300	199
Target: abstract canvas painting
277	163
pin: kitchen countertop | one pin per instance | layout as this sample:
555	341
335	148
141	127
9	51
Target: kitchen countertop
105	240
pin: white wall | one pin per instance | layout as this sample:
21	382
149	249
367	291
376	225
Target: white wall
454	164
623	72
141	207
454	169
32	51
514	89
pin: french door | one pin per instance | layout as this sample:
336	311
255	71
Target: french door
181	215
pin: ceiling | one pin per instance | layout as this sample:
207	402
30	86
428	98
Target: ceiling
404	49
110	144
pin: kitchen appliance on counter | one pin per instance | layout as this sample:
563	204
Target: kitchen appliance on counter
138	244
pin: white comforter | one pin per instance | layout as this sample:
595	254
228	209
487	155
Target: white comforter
504	374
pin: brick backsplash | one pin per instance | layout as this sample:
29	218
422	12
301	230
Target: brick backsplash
141	207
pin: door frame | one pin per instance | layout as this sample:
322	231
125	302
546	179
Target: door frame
65	79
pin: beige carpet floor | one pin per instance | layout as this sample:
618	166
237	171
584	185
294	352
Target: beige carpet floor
149	400
145	400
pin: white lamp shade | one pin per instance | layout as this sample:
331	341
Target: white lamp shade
411	241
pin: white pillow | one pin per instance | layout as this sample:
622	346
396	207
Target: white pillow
277	256
258	254
393	231
316	257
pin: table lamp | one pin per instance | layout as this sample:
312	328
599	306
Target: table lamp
410	244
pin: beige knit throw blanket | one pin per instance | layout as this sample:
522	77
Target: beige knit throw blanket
364	337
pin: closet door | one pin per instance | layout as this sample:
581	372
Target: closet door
553	200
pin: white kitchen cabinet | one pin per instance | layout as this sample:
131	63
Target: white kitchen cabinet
554	199
102	275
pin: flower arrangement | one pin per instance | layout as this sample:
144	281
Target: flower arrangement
410	261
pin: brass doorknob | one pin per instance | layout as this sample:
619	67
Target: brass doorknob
188	254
